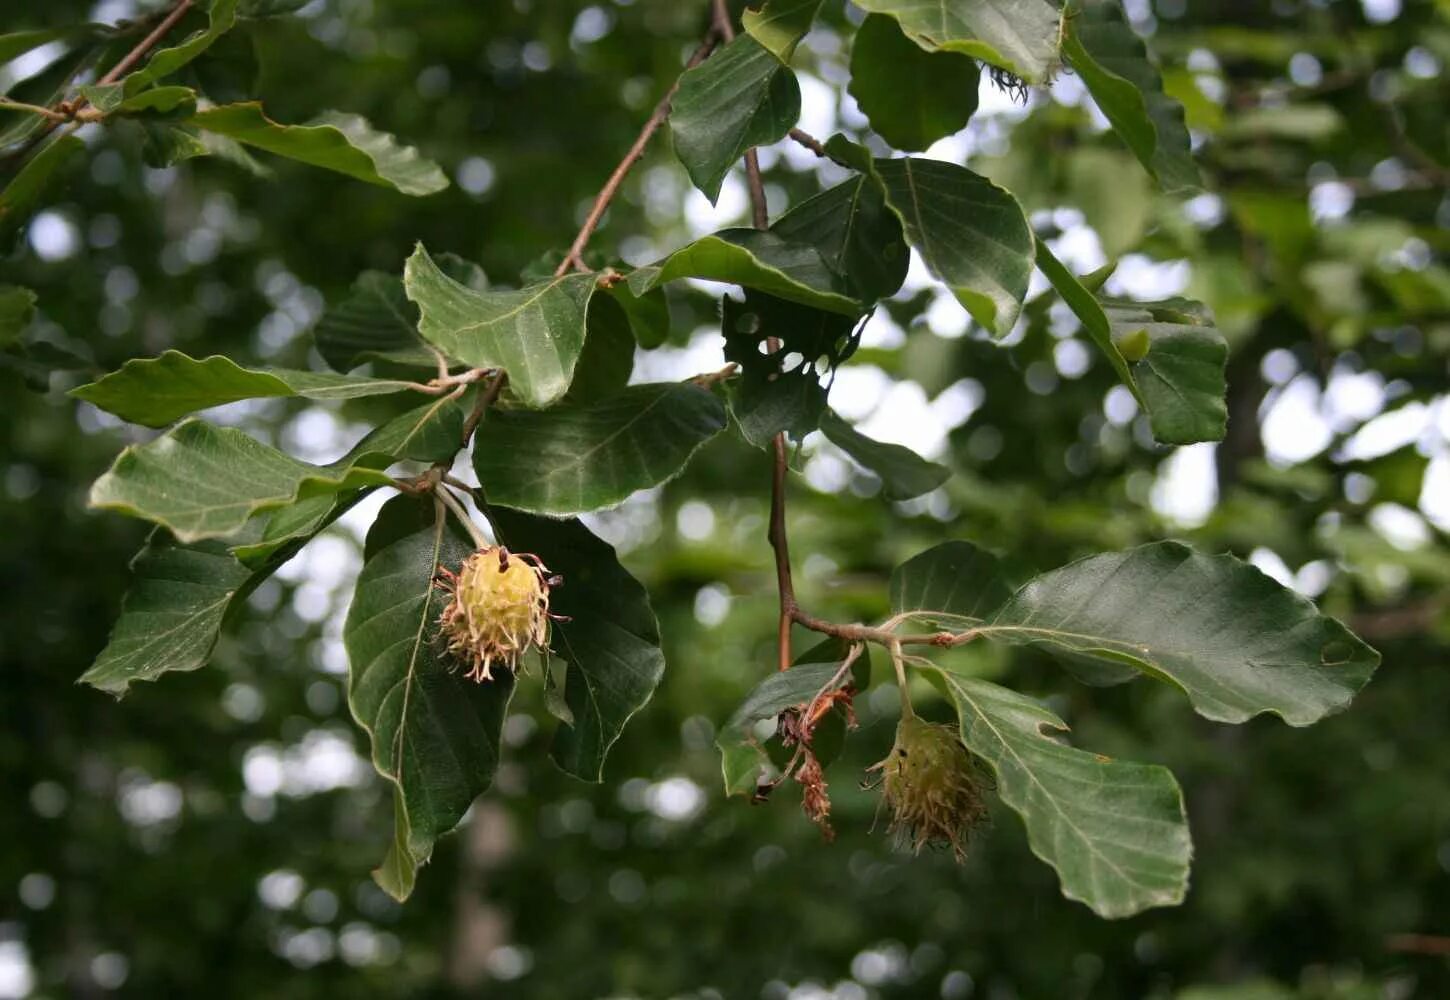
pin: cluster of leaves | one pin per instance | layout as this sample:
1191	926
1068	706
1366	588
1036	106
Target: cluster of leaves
569	434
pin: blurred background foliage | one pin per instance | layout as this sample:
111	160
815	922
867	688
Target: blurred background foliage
213	834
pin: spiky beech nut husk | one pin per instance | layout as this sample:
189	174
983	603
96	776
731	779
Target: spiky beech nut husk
498	611
934	789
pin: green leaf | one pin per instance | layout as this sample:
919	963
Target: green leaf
1234	640
269	8
535	334
952	581
1113	63
912	96
904	474
753	259
35	361
608	356
172	614
1115	832
221	16
1020	36
201	481
610	639
1083	303
741	754
1182	375
432	432
740	97
575	458
779	25
376	322
29	185
17	308
17	43
1177	374
104	97
649	314
781	390
857	236
344	143
164	144
167	102
301	520
971	234
434	733
156	391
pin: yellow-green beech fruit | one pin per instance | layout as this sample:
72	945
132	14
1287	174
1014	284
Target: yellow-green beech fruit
1134	347
935	790
499	609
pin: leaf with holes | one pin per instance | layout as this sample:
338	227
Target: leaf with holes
1019	36
761	261
434	733
535	333
610	639
970	233
574	458
1114	831
156	391
912	96
1113	63
343	143
742	96
781	390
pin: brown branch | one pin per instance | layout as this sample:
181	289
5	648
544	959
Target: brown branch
777	533
1398	623
1419	944
486	399
35	109
883	635
69	110
809	141
145	45
611	187
725	28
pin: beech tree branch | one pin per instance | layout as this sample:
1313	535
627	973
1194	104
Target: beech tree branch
69	110
776	535
611	187
145	45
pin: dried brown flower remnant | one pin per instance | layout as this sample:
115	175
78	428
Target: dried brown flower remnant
815	798
934	789
499	609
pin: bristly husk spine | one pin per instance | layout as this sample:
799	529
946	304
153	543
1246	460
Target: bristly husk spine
934	788
498	610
